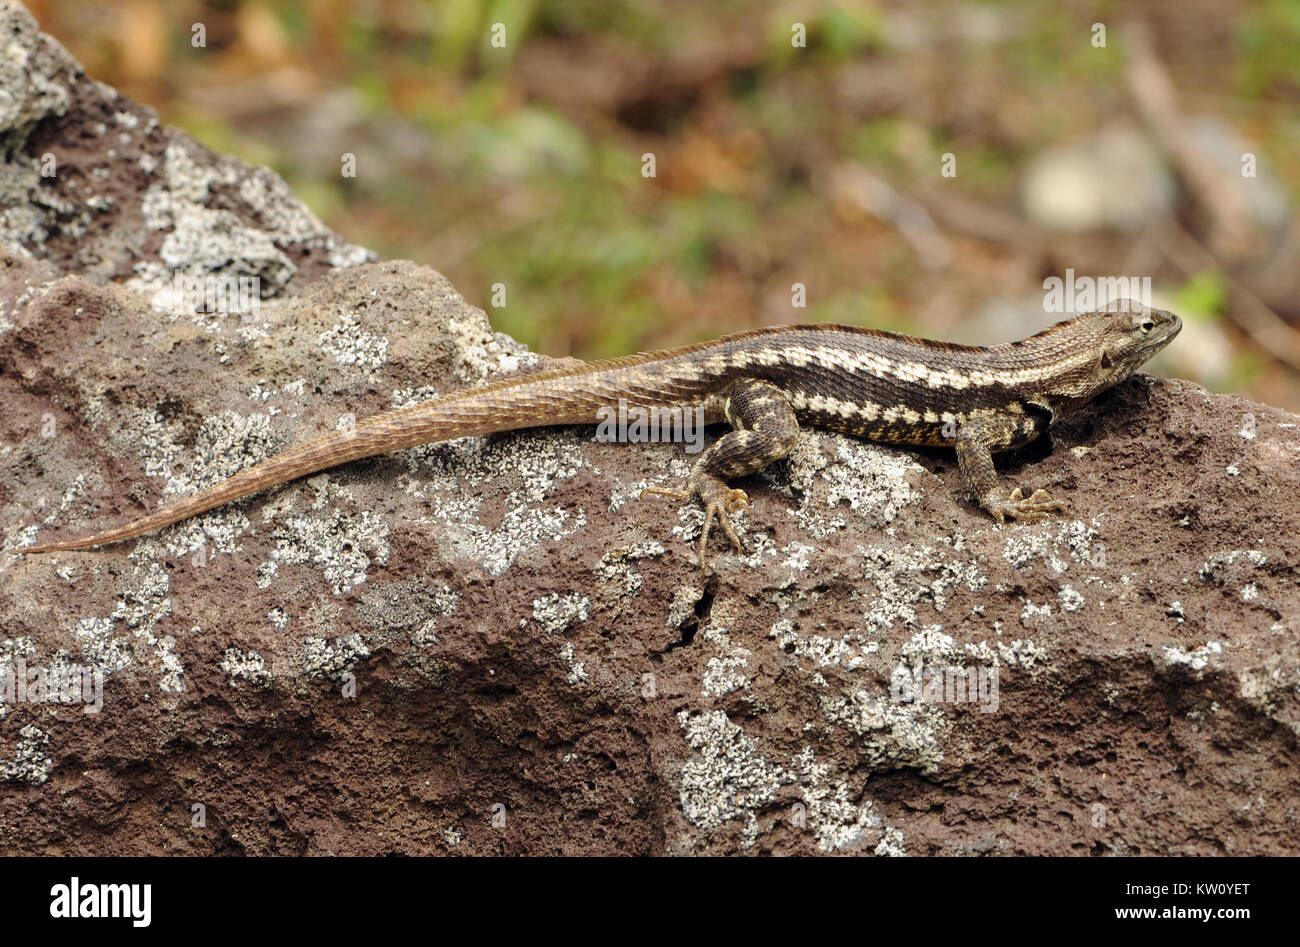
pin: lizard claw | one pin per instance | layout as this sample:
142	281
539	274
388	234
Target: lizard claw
718	506
719	502
1025	509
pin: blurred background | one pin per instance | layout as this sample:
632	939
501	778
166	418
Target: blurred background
1147	139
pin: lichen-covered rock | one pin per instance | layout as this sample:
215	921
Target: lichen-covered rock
90	181
492	646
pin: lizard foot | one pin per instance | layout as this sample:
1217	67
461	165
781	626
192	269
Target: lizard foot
1026	509
719	502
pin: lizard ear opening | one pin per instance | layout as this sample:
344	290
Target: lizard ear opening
1106	361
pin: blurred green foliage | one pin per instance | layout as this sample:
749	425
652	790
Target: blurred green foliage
1203	295
529	171
1269	41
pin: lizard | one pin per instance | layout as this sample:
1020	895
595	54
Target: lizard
765	383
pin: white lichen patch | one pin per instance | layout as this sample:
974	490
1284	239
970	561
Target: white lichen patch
682	607
796	556
1071	600
520	531
100	648
837	822
332	661
30	763
557	612
139	609
340	545
724	672
1073	541
170	681
446	600
27	535
1021	653
354	347
931	646
11	649
848	652
621	492
420	610
28	93
855	475
891	843
454	476
759	550
618	578
410	608
201	239
1195	661
908	577
223	445
482	353
1215	567
577	671
892	734
1031	612
20	537
730	779
426	635
240	665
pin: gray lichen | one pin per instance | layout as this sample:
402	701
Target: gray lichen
30	764
240	665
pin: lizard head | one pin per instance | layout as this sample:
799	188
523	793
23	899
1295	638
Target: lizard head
1131	334
1124	334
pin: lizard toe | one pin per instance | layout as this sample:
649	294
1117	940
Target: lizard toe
716	510
666	492
1026	509
736	501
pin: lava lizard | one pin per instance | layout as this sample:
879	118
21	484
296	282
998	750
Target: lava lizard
765	382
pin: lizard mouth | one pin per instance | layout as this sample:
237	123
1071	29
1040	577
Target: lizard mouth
1167	327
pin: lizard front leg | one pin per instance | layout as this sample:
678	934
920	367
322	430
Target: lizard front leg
764	429
975	443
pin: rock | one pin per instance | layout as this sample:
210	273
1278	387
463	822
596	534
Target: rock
492	646
91	182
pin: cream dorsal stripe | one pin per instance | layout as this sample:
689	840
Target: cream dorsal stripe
887	387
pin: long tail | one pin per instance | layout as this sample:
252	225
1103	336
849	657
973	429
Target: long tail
564	396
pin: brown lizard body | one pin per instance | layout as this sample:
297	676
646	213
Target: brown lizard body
765	382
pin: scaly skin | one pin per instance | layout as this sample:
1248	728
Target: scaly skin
886	387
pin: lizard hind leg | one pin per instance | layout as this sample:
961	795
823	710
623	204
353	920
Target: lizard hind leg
764	429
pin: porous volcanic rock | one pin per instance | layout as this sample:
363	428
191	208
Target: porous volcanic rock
494	646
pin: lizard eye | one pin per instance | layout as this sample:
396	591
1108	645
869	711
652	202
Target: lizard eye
1147	327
